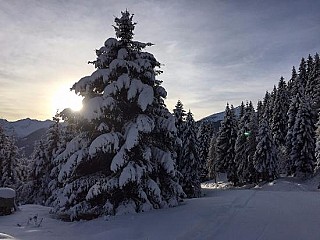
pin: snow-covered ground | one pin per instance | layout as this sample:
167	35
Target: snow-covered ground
284	209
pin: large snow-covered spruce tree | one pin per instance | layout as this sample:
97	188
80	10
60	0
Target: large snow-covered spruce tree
122	161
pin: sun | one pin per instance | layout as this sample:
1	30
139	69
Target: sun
64	98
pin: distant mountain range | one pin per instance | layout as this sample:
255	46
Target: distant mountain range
218	117
26	132
24	127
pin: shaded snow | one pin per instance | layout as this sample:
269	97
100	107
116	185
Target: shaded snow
7	193
290	212
131	173
5	236
122	53
145	97
111	42
107	143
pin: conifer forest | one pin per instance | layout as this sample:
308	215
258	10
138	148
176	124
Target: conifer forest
126	152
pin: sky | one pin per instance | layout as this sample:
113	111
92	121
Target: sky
212	51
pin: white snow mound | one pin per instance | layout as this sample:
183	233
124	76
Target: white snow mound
7	193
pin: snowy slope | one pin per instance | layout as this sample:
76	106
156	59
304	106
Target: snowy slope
285	209
26	144
217	117
24	127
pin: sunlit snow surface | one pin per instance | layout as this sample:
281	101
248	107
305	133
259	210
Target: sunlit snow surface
284	209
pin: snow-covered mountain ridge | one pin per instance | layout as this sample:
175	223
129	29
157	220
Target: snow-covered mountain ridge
26	132
217	117
24	127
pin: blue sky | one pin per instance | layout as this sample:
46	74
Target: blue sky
213	52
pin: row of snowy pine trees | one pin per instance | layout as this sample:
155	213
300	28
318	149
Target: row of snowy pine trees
280	137
13	166
125	152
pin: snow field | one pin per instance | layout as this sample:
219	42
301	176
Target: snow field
284	209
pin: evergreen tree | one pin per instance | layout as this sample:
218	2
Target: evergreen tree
240	154
302	154
44	153
9	164
259	111
190	167
180	116
24	187
309	69
204	136
291	82
8	161
316	86
122	160
292	112
279	117
225	144
245	146
251	141
73	124
303	78
271	103
279	127
266	109
66	132
318	146
35	191
313	85
3	144
266	100
212	159
265	156
242	110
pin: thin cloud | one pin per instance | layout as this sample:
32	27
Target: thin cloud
211	50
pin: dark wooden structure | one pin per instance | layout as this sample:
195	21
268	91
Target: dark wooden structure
7	201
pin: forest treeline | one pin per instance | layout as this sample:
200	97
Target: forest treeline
126	152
